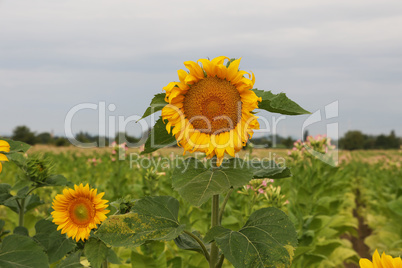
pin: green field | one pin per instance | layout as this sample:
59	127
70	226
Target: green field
340	213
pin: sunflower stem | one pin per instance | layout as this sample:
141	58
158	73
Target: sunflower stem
214	222
105	264
224	204
204	249
21	212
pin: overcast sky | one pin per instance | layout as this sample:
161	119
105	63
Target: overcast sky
55	55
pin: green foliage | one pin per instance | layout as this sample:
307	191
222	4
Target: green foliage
197	184
17	146
278	103
71	261
55	244
268	169
21	252
24	134
38	168
355	140
157	104
96	252
152	218
268	239
158	138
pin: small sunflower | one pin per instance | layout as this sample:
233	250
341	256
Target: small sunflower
385	261
78	211
210	109
4	147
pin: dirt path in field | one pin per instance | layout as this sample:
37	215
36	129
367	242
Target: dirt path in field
363	231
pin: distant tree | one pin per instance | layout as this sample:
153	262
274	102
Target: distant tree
394	141
24	134
61	141
369	142
352	140
84	137
382	142
288	142
305	135
44	138
122	137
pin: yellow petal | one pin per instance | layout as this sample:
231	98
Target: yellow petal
4	146
3	157
365	263
376	260
194	69
233	70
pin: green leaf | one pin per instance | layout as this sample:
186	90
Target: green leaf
72	261
152	218
176	262
21	252
96	252
396	206
4	192
56	180
158	138
17	146
157	104
31	201
269	169
184	241
19	159
55	244
112	257
268	239
145	261
278	103
197	183
21	230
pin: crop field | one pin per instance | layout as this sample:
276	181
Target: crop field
340	214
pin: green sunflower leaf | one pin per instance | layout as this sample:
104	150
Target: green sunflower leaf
278	103
4	192
268	239
17	146
19	251
72	261
56	245
158	138
96	251
197	183
157	104
269	169
152	218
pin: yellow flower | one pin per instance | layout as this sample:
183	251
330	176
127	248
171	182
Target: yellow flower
4	147
78	211
385	261
210	108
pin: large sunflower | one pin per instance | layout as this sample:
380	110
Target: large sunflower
4	147
78	211
210	108
385	261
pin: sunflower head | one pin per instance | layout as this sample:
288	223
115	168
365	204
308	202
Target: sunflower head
210	108
385	261
4	147
77	211
38	168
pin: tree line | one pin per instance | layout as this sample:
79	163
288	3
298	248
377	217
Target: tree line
352	140
24	134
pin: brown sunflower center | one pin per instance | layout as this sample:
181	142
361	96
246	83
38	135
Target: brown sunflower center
212	105
81	211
